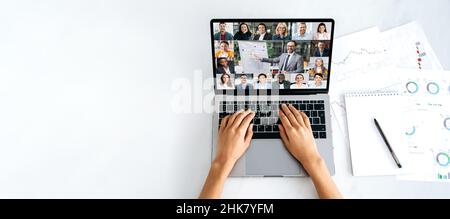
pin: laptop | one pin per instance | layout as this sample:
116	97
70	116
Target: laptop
259	64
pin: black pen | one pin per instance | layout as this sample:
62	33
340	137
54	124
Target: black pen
387	143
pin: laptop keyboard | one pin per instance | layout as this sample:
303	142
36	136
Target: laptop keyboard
265	123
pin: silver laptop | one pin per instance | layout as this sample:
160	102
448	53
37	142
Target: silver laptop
259	64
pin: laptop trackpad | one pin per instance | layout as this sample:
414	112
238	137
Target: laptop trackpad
269	157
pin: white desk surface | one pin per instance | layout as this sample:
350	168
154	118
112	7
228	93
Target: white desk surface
82	114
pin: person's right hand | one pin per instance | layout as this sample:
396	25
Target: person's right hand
297	136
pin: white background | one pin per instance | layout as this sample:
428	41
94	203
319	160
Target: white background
86	93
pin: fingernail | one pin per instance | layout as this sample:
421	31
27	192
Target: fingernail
283	104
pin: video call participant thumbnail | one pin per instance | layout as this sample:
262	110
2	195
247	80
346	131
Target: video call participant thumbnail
289	62
223	34
318	68
262	33
321	33
243	33
321	50
281	82
262	82
302	33
223	66
244	83
318	82
225	82
299	82
281	32
225	51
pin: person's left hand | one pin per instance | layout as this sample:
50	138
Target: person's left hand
235	134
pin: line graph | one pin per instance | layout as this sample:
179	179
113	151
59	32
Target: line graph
359	52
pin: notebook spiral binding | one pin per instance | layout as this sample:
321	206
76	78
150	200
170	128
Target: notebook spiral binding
372	94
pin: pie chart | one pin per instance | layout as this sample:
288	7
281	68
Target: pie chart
433	88
412	87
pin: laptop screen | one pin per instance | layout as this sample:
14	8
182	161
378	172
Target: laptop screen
287	55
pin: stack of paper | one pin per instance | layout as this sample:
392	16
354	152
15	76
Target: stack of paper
402	60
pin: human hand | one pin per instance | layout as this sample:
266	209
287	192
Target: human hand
257	57
297	136
235	134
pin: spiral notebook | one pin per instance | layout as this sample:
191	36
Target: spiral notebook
369	154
